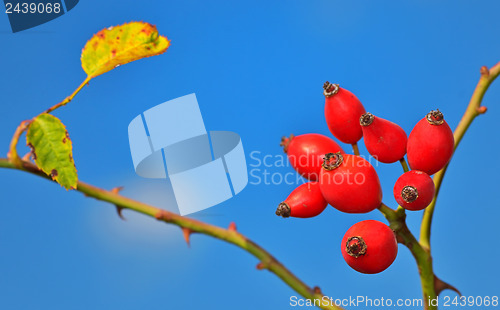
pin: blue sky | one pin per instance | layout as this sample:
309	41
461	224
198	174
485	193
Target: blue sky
257	69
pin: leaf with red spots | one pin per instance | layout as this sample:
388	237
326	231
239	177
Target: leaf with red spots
115	46
52	149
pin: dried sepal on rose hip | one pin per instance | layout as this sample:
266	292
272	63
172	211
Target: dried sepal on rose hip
305	153
430	144
350	183
369	247
384	140
304	202
414	190
342	112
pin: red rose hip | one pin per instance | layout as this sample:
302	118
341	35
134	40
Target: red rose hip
369	246
430	144
414	190
342	112
349	183
384	140
306	153
305	201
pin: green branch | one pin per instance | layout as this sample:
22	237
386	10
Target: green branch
397	222
189	226
474	109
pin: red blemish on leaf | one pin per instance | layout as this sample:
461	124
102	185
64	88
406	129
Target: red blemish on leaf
101	53
64	140
147	31
70	158
53	173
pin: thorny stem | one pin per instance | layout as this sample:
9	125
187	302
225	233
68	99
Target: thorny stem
70	97
431	285
230	235
473	110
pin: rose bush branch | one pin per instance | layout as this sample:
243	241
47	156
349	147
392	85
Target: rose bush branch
474	109
13	155
431	284
189	226
397	221
70	97
51	148
47	135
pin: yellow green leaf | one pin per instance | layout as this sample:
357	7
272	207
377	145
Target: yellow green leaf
52	149
119	45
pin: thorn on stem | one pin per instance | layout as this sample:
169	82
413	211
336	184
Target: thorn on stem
317	290
27	156
440	286
162	215
187	234
484	71
482	109
261	266
117	189
119	211
232	226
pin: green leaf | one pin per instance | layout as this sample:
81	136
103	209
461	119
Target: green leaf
119	45
52	149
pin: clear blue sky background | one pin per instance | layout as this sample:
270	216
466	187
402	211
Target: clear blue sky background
257	68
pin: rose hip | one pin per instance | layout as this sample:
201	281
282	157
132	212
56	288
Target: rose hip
414	190
342	112
369	246
305	201
430	144
306	153
349	183
384	140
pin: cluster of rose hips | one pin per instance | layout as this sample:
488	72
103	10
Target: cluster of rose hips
350	184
